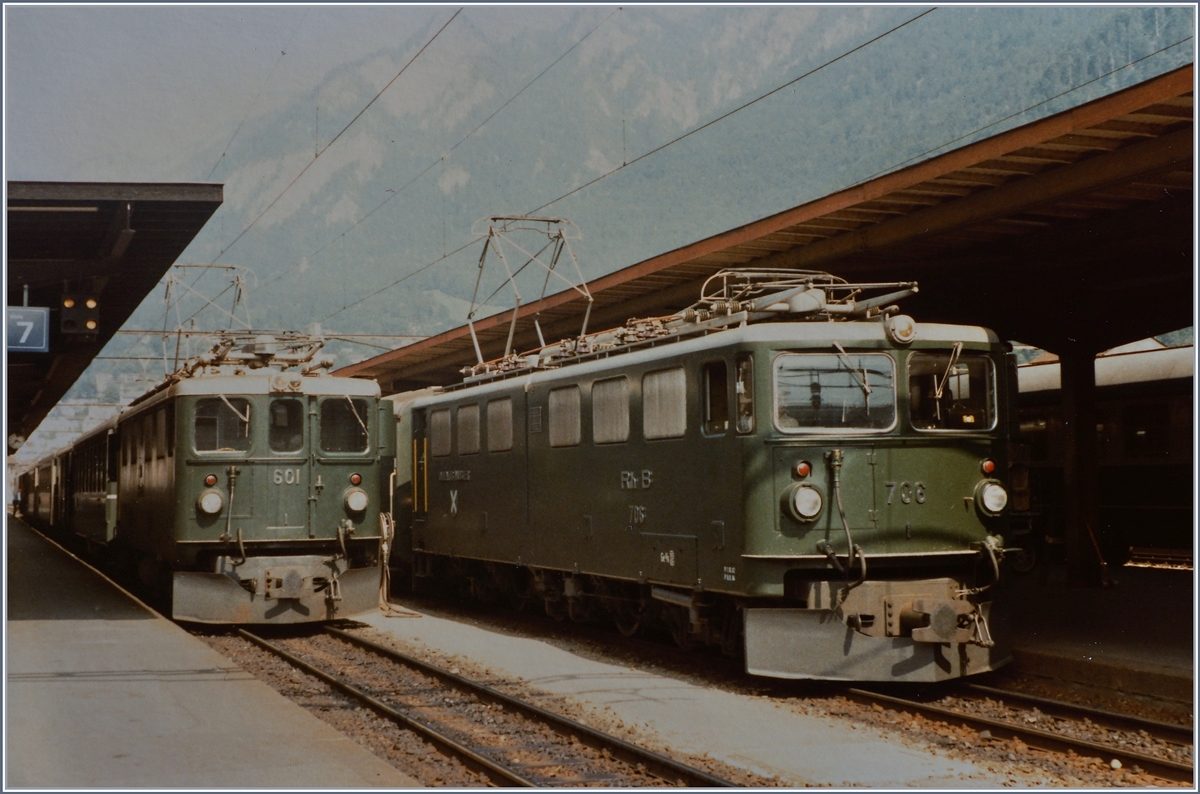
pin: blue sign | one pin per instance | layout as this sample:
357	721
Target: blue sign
28	329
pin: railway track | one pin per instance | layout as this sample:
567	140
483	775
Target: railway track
508	741
1158	749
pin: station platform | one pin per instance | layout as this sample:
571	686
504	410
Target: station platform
103	693
1133	638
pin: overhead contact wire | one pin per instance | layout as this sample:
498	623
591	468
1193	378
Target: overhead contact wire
304	170
738	109
449	151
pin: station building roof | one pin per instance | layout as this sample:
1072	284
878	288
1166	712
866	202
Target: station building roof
1078	225
113	241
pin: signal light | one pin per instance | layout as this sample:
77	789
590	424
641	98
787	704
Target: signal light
804	468
988	466
80	314
355	479
210	480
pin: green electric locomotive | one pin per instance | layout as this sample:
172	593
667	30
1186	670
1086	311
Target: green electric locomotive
248	492
789	468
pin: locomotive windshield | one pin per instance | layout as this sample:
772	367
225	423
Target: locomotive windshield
834	392
951	390
222	424
287	426
344	425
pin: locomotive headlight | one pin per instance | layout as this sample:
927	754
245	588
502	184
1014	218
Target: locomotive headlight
900	328
210	502
356	500
806	502
993	498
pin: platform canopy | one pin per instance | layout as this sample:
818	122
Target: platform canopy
1072	230
110	242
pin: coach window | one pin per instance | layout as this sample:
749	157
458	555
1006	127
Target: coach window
664	404
170	429
835	392
564	417
344	425
500	425
951	390
160	433
716	398
286	433
222	424
1146	428
468	429
148	437
439	432
610	411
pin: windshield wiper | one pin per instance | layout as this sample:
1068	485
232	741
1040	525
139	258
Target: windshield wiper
245	419
862	378
356	416
937	395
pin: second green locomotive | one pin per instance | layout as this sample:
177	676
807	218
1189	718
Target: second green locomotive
247	492
788	468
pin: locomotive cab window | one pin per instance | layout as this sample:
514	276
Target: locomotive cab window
222	424
743	391
951	390
287	426
835	392
716	398
344	425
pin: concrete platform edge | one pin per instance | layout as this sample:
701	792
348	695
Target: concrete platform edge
1128	677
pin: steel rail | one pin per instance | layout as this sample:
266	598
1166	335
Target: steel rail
1168	732
658	765
498	774
1159	767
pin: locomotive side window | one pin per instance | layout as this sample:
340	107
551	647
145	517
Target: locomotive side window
835	392
951	390
223	424
439	432
287	426
564	417
743	389
716	398
500	425
468	429
664	404
344	425
610	411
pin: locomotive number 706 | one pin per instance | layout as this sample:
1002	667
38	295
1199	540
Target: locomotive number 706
286	476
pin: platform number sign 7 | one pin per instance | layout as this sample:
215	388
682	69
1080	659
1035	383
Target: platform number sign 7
28	329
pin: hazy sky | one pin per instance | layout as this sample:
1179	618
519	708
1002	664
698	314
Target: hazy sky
427	118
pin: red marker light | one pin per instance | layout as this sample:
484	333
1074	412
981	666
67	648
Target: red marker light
355	479
804	468
988	466
210	480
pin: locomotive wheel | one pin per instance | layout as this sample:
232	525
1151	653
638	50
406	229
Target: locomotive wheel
556	608
683	638
627	621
